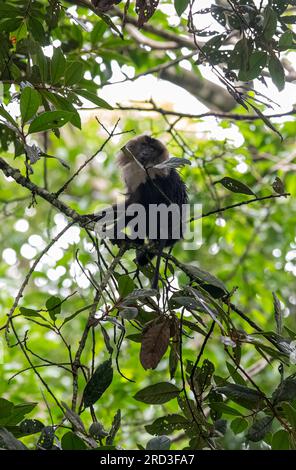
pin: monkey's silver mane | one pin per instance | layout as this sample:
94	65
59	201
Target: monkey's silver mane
141	155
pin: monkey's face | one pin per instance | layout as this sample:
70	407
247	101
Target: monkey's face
142	151
147	151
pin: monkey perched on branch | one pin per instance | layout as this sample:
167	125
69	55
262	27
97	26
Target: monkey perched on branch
152	182
155	192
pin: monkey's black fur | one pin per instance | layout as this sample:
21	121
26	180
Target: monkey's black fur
169	189
149	181
147	184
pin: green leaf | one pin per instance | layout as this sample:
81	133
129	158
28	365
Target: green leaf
129	313
239	56
225	409
167	424
8	11
202	275
57	65
244	396
12	414
26	428
177	300
37	30
107	341
42	62
235	186
137	337
180	6
30	426
29	312
280	440
269	23
290	413
202	376
88	95
6	408
259	428
74	73
255	65
7	116
286	40
98	31
235	374
21	32
159	443
280	6
289	19
53	305
110	23
140	294
189	408
218	13
11	25
212	46
16	73
29	103
286	391
265	119
158	393
125	285
70	441
19	411
98	383
277	72
239	425
62	103
50	120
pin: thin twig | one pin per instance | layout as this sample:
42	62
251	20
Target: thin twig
238	204
66	184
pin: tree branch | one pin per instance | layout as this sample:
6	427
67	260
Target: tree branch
209	93
144	40
218	115
238	204
43	193
183	41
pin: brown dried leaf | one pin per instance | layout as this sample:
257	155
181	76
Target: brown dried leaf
278	186
144	10
155	341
